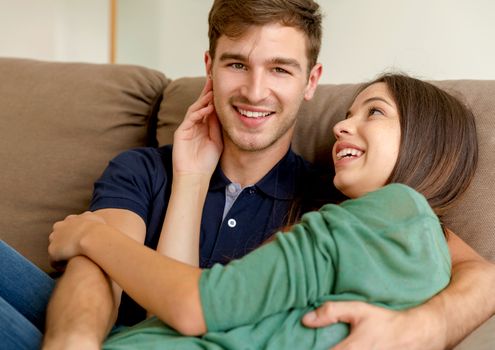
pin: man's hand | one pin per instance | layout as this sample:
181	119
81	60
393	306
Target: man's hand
198	140
373	327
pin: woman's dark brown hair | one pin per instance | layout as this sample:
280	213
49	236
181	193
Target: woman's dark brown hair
438	151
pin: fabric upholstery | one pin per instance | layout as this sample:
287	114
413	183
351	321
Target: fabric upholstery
60	124
179	95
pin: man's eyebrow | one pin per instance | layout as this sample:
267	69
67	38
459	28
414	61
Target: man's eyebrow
371	99
276	60
233	56
286	62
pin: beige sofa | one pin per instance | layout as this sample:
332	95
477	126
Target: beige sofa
61	123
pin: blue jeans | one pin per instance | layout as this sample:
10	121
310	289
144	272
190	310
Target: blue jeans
24	294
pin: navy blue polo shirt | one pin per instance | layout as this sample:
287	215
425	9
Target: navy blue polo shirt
139	180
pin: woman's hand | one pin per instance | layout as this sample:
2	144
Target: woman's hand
198	140
66	236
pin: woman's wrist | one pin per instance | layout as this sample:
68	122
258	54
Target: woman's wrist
89	232
196	182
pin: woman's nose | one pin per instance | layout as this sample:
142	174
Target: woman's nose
342	127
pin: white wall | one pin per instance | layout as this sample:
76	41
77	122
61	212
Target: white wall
433	39
60	30
168	35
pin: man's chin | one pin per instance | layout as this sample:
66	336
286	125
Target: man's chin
251	145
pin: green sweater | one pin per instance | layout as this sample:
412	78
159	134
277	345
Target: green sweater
386	248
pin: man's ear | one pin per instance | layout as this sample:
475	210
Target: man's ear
314	78
208	63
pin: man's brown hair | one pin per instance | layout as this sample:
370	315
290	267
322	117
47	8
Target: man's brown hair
233	17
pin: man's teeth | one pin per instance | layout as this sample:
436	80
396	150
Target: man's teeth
349	152
251	114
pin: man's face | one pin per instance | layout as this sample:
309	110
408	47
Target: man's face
259	82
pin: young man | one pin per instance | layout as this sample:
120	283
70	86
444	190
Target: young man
262	64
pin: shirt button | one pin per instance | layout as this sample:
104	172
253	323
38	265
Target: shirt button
232	188
232	223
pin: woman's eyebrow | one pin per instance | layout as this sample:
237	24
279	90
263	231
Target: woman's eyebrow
372	99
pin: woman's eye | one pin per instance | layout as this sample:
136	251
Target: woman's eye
375	111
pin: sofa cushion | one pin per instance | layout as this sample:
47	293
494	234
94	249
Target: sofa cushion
61	123
178	96
474	216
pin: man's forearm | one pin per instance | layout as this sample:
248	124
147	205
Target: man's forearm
469	300
82	310
464	305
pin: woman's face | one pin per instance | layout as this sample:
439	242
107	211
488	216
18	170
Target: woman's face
367	143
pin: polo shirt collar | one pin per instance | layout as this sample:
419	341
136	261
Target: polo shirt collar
279	182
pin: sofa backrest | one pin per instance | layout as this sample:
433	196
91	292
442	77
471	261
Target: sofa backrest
473	218
60	124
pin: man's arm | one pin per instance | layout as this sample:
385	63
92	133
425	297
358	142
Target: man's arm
440	323
468	301
81	310
84	305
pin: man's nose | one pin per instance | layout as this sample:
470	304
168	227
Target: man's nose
255	88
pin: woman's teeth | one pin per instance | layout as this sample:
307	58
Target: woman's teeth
349	152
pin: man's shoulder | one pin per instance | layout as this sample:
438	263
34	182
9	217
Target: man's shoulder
145	159
306	169
314	184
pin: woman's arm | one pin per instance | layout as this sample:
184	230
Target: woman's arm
294	271
84	305
197	147
164	286
196	151
284	273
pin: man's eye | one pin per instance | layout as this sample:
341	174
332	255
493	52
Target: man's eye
237	66
280	70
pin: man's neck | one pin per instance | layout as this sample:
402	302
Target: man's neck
247	168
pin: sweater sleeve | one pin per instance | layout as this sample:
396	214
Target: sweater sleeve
314	261
392	249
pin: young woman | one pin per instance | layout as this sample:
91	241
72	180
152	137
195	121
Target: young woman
405	152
